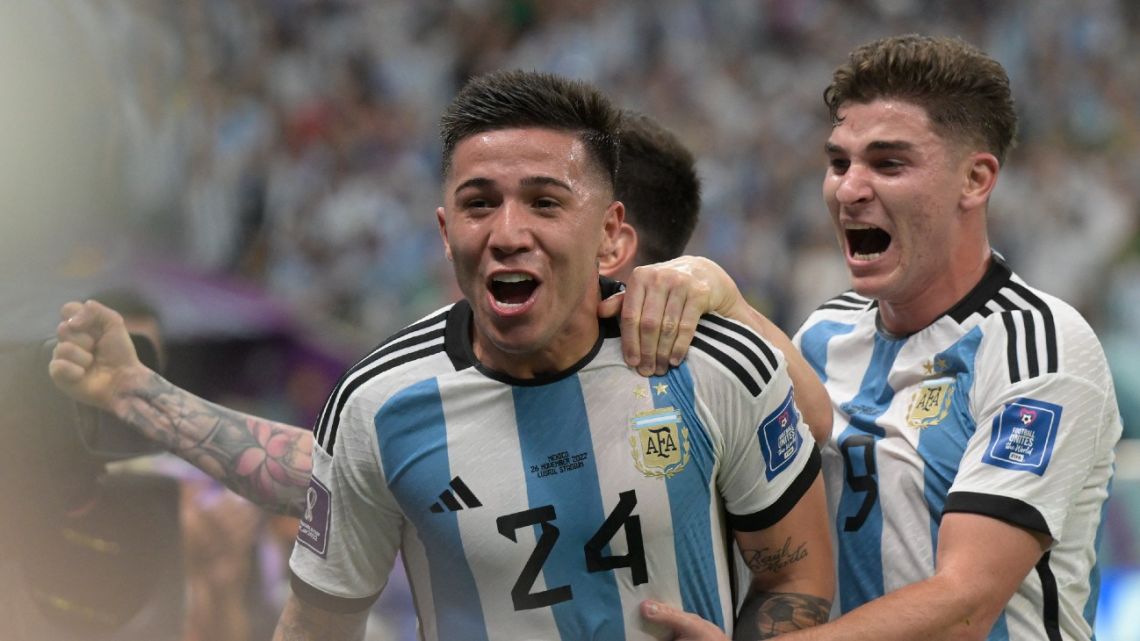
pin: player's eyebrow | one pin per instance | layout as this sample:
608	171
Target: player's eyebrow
890	145
529	181
476	183
875	145
539	181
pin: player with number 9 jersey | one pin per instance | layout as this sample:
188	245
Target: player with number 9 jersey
548	508
1003	407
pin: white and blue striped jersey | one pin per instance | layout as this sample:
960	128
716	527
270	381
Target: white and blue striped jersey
1004	406
548	508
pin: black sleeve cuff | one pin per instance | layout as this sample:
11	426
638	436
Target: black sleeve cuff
1012	511
326	601
778	510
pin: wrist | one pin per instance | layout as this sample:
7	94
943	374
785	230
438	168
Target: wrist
129	388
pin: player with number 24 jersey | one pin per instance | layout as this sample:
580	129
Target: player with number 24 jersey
548	508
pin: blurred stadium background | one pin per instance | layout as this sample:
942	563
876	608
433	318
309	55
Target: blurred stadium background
265	171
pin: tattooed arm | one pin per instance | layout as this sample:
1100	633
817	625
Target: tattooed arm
94	362
792	579
980	563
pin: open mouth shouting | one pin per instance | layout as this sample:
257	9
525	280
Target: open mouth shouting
865	242
512	292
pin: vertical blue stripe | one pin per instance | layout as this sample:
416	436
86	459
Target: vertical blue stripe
813	344
412	435
689	501
860	551
941	446
552	421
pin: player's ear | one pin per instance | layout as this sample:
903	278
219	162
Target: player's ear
442	219
621	252
980	178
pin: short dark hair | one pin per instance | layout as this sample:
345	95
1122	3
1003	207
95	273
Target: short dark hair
964	91
658	184
513	99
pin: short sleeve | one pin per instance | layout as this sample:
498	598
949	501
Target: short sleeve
1038	440
768	459
350	530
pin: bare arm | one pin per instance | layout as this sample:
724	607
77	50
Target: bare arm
793	579
659	315
264	461
301	621
981	562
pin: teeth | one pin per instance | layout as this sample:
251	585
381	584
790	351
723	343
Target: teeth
858	226
858	256
511	278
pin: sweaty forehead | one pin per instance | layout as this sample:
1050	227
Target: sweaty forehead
512	155
893	122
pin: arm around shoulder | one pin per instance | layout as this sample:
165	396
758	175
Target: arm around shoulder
663	304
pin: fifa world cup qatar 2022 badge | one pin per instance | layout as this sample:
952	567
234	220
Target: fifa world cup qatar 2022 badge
660	442
314	527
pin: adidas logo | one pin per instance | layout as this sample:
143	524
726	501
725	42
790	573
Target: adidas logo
451	503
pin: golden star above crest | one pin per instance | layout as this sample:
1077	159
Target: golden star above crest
661	388
928	367
641	392
942	365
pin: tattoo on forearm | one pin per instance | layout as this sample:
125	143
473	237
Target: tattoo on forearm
263	461
774	560
764	615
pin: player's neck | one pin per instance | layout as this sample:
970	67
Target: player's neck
911	314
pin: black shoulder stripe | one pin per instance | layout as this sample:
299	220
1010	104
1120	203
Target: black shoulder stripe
1030	324
346	393
1011	346
335	402
1051	357
730	363
843	306
750	336
1036	323
402	340
418	325
1004	303
847	301
764	369
377	352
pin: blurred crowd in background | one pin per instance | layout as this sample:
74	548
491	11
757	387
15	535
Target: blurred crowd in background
281	157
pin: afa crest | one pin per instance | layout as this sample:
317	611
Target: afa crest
931	403
660	442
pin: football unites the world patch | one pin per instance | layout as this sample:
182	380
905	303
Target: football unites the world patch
780	438
1023	436
660	442
313	530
